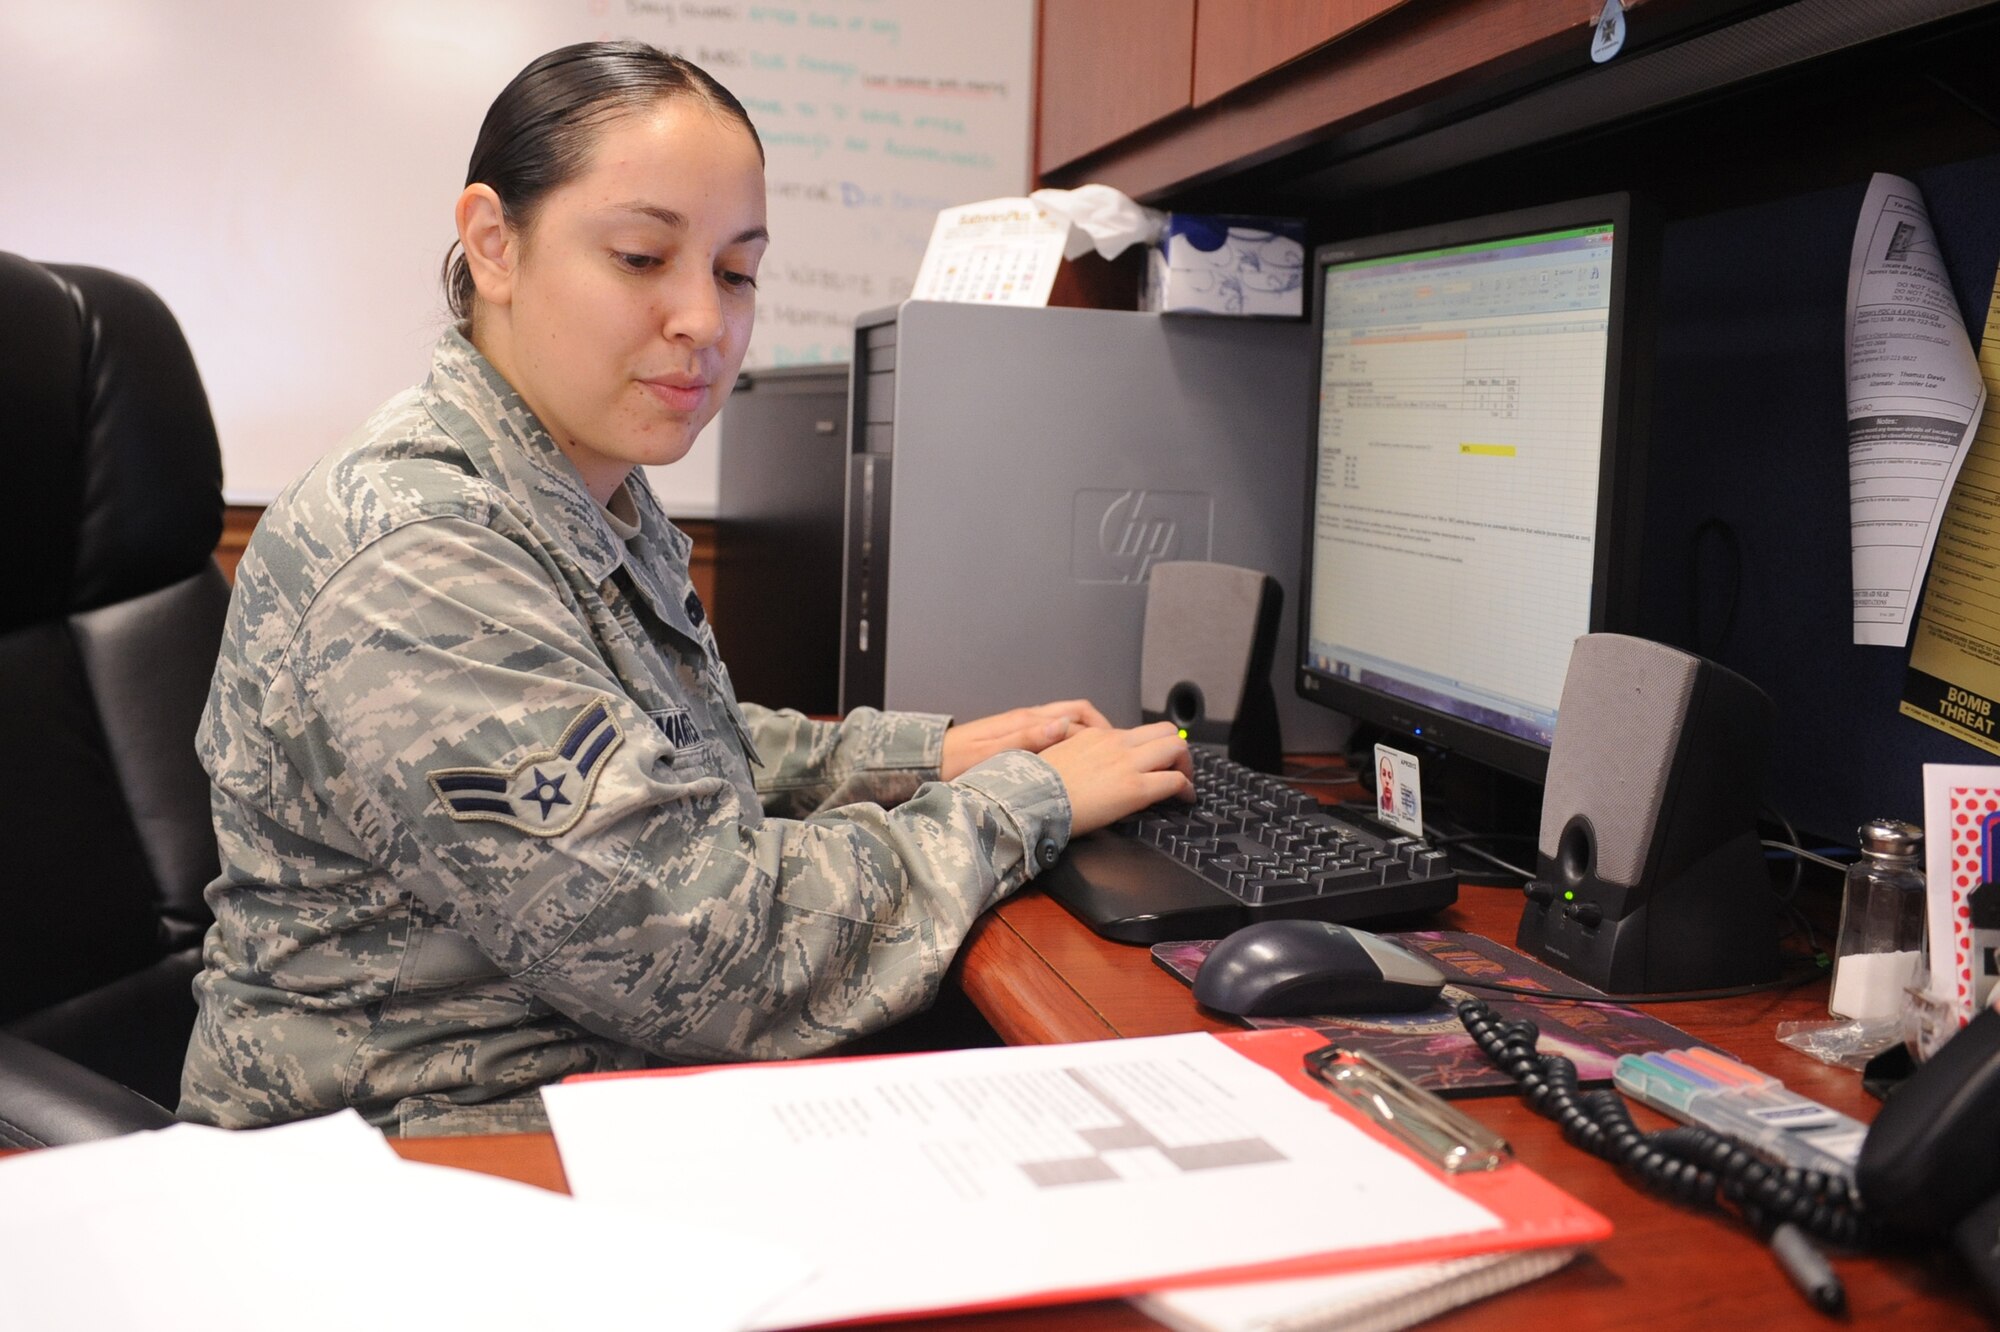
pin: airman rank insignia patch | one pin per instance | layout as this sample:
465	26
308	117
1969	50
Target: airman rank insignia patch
545	793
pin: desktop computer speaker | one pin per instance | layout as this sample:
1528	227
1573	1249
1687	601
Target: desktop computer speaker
1650	876
1205	657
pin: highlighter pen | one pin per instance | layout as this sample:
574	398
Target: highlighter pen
1808	1268
1730	1072
1700	1087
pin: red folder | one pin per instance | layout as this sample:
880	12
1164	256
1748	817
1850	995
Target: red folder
1532	1212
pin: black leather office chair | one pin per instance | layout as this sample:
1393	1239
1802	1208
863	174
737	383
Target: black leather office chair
110	511
47	1100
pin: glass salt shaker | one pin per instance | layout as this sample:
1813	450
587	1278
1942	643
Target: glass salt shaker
1879	952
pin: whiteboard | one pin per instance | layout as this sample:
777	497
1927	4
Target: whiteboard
283	173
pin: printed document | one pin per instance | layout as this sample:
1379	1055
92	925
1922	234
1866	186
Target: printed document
1913	397
938	1181
1954	678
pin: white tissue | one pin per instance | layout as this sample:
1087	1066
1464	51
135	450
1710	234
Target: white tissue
1102	219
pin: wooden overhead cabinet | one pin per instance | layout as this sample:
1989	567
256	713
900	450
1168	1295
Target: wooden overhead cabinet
1236	41
1150	96
1108	68
1113	67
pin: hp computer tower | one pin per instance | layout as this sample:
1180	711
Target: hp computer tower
778	535
1014	473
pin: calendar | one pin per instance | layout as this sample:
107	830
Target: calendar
1000	252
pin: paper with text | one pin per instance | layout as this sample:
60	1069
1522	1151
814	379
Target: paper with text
973	1176
1913	396
1953	682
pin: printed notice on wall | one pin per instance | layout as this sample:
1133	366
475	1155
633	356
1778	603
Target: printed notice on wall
1954	677
1913	396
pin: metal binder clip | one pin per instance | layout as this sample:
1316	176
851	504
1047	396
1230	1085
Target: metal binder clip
1448	1138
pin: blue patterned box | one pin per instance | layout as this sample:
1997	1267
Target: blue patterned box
1209	263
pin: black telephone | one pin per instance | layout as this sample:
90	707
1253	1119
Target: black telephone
1931	1161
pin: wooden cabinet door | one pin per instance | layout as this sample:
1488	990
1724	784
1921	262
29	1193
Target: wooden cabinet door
1237	40
1109	67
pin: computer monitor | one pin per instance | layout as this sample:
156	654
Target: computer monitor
1474	495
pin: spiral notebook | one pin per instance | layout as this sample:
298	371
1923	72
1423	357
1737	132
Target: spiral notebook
1376	1301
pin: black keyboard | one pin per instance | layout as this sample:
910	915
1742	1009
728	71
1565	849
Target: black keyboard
1249	848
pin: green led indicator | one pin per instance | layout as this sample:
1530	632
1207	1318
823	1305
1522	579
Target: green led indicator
1183	733
1569	896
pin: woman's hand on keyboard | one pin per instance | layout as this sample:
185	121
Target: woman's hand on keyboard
1033	729
1111	773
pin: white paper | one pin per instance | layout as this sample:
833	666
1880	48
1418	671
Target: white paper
320	1225
1914	394
938	1181
1000	252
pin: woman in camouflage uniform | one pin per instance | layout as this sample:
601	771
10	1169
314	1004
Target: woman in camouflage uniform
489	811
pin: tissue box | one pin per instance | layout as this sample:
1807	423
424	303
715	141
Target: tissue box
1205	263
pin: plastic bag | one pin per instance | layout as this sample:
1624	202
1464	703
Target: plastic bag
1848	1043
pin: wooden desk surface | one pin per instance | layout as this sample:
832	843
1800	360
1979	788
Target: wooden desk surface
1039	976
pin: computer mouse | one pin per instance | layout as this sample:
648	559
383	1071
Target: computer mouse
1304	968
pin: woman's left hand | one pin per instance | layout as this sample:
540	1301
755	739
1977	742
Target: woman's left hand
1033	729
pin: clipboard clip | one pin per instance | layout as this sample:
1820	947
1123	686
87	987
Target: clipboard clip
1448	1138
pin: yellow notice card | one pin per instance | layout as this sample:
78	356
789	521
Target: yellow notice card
1954	677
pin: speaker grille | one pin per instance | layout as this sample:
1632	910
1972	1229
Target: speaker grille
1201	628
1624	702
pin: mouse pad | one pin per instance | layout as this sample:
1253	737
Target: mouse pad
1432	1049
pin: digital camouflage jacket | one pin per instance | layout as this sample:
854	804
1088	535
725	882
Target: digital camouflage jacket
490	814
